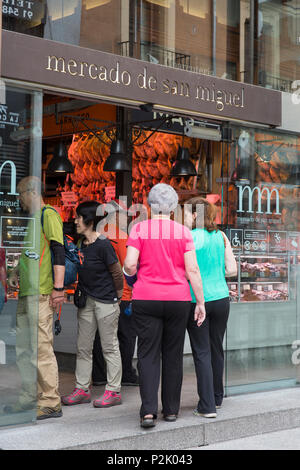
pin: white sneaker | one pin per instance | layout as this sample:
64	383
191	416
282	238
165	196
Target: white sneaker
205	415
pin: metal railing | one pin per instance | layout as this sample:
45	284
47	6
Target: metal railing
276	83
155	54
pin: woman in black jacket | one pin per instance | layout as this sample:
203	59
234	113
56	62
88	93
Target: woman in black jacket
100	282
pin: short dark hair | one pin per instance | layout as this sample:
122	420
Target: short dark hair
88	211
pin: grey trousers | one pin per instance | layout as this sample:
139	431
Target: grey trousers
104	317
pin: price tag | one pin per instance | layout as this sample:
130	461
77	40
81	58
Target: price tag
69	198
110	193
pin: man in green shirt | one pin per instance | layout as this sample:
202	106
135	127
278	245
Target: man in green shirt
40	296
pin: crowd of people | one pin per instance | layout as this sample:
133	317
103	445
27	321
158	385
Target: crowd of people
165	279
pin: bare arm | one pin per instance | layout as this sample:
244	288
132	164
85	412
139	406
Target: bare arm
131	260
57	297
193	274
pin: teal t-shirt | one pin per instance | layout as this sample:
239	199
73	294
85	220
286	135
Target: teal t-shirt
210	257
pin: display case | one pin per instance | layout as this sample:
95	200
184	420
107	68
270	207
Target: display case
263	278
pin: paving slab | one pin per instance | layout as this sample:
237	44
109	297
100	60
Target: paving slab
118	428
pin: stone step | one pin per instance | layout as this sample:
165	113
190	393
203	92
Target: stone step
117	428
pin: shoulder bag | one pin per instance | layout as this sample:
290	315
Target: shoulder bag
230	261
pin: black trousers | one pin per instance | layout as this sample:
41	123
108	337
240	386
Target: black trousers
207	348
160	327
127	339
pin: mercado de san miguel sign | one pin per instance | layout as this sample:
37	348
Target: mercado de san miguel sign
116	77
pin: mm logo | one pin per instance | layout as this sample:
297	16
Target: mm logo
13	177
268	193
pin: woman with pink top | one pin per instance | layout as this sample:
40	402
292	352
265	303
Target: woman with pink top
161	301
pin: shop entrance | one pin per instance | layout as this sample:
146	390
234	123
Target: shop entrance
251	176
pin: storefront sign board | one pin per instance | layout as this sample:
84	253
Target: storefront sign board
116	77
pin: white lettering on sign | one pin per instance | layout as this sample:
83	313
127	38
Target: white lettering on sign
13	177
8	117
18	8
260	193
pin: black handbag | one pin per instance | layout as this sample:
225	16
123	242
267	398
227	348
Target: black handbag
80	297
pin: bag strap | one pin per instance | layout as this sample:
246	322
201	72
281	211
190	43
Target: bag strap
42	223
225	243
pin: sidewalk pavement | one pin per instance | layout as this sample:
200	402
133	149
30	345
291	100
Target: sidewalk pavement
281	440
118	428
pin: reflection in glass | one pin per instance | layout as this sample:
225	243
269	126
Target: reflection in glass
261	214
245	40
19	158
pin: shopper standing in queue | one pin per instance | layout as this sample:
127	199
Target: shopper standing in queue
115	229
99	291
41	294
165	253
207	341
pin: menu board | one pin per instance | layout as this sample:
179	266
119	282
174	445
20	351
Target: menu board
15	232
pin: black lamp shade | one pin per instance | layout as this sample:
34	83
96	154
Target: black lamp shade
60	162
117	161
294	177
183	166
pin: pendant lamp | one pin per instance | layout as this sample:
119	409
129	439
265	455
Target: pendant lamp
117	160
60	162
183	166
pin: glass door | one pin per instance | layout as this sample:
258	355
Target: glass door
20	166
260	211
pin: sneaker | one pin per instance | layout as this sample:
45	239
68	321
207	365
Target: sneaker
218	407
204	415
108	399
77	397
45	412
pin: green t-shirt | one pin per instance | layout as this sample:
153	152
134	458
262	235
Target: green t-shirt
36	276
210	257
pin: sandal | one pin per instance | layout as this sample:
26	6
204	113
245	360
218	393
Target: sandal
170	418
148	422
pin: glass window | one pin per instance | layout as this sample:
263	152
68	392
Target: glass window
261	213
20	158
244	40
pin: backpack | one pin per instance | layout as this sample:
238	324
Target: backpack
72	259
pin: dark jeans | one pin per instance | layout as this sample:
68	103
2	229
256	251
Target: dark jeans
160	327
127	338
207	347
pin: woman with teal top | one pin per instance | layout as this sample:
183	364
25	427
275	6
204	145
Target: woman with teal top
207	340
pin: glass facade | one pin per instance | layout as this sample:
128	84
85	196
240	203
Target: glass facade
20	157
244	40
260	212
254	178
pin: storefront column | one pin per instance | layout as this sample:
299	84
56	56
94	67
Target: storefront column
124	179
2	89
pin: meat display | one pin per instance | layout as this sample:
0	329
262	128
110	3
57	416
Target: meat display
261	281
152	163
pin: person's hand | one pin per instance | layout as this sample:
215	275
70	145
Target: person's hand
56	300
200	314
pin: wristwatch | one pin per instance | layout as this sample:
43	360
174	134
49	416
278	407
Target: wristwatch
58	289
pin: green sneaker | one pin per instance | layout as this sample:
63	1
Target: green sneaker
45	412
